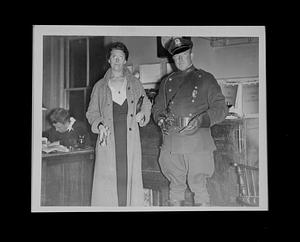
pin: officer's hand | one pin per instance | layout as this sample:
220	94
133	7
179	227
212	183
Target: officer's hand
165	122
162	124
162	120
170	120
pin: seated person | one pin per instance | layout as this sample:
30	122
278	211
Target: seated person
66	129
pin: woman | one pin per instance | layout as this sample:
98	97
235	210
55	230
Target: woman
112	115
67	130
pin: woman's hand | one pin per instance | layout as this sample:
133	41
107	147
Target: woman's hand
140	118
103	133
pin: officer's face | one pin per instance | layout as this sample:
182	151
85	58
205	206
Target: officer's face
183	60
117	59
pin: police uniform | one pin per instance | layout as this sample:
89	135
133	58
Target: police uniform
188	158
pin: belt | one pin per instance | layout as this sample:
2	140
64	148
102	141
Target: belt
181	121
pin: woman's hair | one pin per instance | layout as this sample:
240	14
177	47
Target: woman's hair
60	115
117	46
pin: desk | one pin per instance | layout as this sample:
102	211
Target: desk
67	178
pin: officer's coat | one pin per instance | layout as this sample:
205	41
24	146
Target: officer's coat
104	191
196	91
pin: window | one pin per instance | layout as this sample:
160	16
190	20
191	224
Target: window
77	76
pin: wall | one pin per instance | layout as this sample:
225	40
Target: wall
142	50
53	73
51	65
231	61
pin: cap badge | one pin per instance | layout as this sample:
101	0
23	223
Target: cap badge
177	42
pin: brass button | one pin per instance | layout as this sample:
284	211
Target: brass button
129	129
170	90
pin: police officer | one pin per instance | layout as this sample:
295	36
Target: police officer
188	103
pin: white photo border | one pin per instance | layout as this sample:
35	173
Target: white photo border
39	31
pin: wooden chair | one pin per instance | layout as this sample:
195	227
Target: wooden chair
248	184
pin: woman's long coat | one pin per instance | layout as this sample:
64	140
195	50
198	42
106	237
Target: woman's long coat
104	191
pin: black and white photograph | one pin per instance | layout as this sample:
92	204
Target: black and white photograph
149	118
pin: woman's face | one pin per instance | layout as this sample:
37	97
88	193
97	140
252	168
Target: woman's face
183	60
60	127
117	59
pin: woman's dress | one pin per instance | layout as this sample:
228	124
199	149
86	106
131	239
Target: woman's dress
120	130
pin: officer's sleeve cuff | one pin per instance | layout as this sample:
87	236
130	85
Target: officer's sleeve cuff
205	121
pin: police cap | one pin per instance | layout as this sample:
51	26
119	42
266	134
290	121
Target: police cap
179	44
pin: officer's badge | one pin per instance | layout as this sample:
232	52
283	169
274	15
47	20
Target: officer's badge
177	42
194	93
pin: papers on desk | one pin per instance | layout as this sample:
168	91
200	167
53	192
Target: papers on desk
53	147
231	117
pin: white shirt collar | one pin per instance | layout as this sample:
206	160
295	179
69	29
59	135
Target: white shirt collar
118	96
72	121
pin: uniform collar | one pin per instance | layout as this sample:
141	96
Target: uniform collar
189	69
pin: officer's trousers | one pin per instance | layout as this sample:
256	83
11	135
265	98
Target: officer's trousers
192	169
